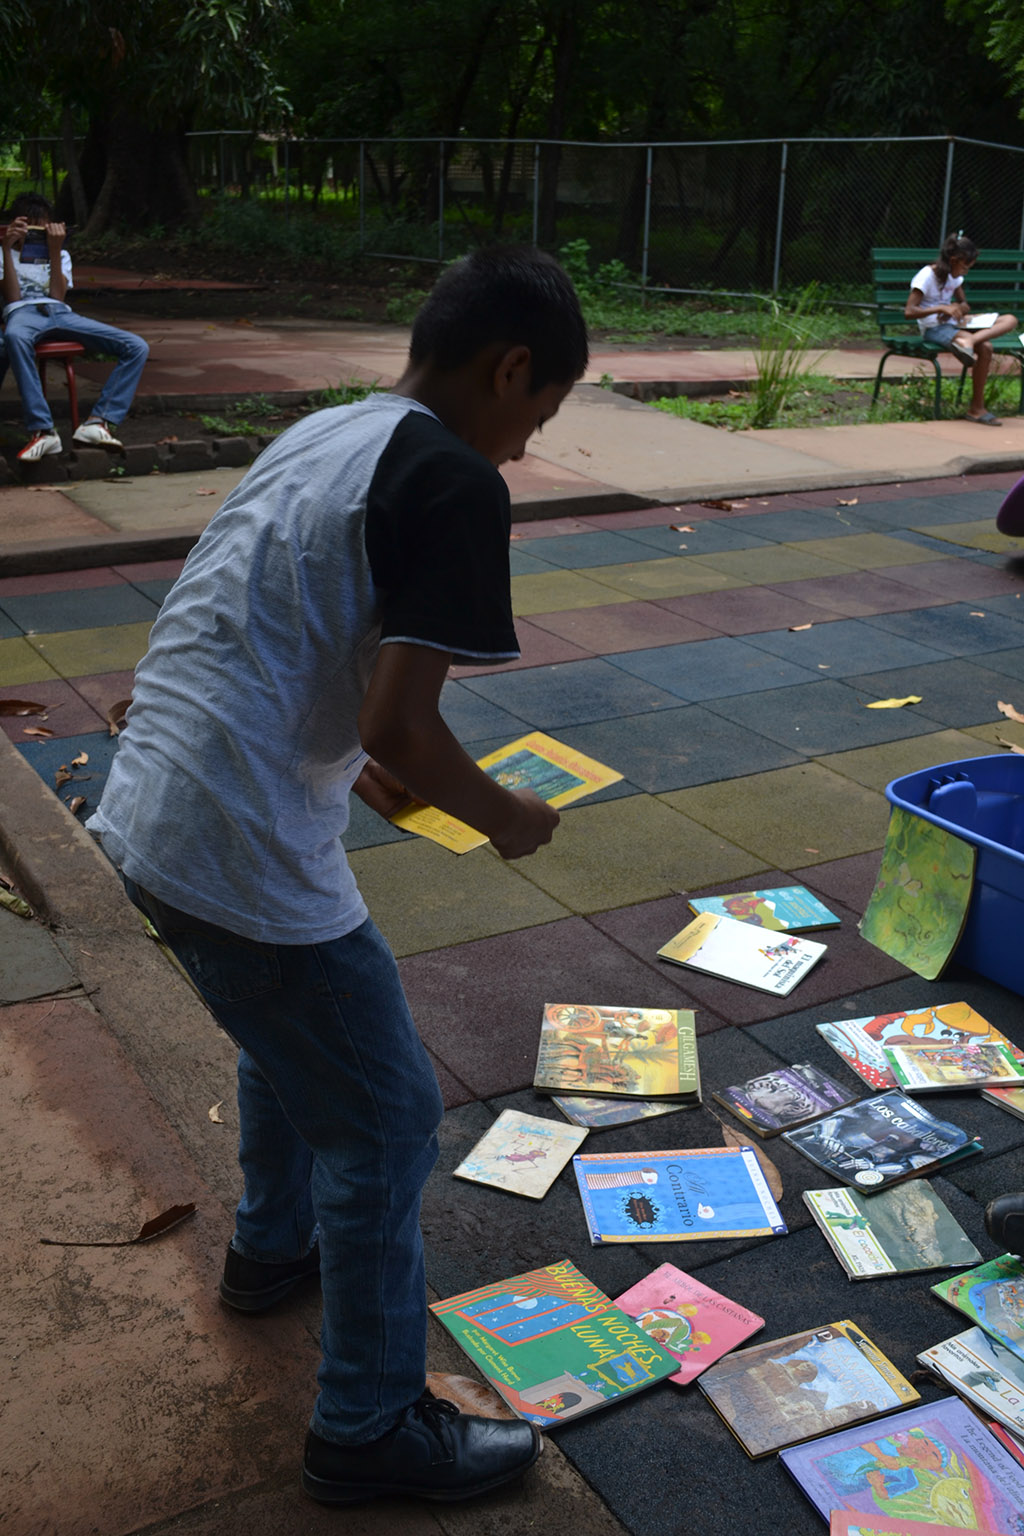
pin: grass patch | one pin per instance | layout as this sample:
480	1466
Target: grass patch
256	416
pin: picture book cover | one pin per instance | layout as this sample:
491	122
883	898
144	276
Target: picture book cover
787	908
555	772
599	1114
935	1462
521	1153
993	1297
738	952
845	1523
985	1372
787	1390
899	1232
1010	1099
922	1066
1006	1437
861	1042
661	1197
775	1101
644	1053
552	1344
917	910
694	1323
879	1141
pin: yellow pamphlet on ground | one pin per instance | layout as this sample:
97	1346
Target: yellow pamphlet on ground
553	771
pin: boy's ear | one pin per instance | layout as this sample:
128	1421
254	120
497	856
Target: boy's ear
512	368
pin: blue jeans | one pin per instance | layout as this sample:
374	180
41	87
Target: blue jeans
339	1109
29	324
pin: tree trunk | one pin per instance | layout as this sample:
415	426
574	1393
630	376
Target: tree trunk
146	180
76	186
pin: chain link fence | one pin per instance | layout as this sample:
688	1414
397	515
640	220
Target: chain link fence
746	216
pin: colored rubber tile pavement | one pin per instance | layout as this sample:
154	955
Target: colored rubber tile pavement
750	758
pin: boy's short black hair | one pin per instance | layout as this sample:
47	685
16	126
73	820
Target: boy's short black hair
507	295
31	205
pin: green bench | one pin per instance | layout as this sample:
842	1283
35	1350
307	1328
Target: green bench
996	281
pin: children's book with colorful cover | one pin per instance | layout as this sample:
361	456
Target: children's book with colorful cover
935	1462
521	1153
601	1114
776	1101
787	1390
923	1066
552	1344
694	1323
845	1523
1010	1099
786	908
917	911
596	1049
754	957
993	1297
861	1042
1006	1437
556	773
880	1141
675	1197
900	1232
984	1372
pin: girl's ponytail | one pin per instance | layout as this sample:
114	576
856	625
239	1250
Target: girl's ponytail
954	245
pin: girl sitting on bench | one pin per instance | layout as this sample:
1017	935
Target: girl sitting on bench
938	304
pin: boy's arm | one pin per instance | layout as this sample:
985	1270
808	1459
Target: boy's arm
55	234
400	726
11	285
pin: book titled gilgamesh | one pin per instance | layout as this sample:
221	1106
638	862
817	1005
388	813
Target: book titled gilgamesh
690	1320
556	773
754	957
788	1390
661	1197
985	1373
899	1232
785	908
552	1344
641	1053
600	1114
993	1297
861	1042
521	1153
880	1141
922	1066
934	1462
777	1101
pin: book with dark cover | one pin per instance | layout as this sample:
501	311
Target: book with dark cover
777	1101
880	1141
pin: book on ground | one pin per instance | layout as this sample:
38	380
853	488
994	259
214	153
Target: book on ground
785	908
1010	1099
657	1197
642	1053
934	1462
599	1114
755	957
1006	1437
899	1232
984	1372
694	1323
555	772
552	1344
521	1153
787	1390
881	1140
917	911
861	1042
923	1066
993	1297
845	1522
789	1096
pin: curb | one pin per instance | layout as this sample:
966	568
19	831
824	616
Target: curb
135	459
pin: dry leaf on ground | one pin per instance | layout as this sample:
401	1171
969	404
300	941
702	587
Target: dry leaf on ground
37	730
214	1114
115	716
80	761
1011	744
851	503
21	707
13	903
796	628
911	698
62	777
149	1229
680	528
1009	711
205	491
75	804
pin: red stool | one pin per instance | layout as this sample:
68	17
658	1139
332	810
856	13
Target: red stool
65	352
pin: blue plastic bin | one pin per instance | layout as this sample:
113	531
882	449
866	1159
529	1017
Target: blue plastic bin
981	800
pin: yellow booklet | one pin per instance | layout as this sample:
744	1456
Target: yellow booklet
555	772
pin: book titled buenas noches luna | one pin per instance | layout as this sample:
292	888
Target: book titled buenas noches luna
552	1344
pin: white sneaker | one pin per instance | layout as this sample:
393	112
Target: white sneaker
96	435
39	446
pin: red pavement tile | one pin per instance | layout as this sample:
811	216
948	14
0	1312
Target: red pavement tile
539	649
67	713
746	610
954	579
102	689
549	528
58	581
151	570
623	627
858	593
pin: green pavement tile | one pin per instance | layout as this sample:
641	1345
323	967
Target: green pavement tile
875	767
677	576
82	652
20	663
423	897
767	567
621	852
790	817
557	591
983	535
997	737
866	551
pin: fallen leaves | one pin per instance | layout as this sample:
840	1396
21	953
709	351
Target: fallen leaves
911	698
795	629
214	1114
14	903
1009	711
724	506
80	761
1012	745
155	1227
115	716
21	707
680	528
851	503
42	731
75	804
205	491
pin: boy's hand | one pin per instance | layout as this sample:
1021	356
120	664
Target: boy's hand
55	234
531	823
16	230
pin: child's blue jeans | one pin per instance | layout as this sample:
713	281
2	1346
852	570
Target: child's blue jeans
31	323
339	1109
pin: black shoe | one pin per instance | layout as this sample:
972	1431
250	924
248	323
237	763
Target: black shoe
1004	1222
433	1452
251	1286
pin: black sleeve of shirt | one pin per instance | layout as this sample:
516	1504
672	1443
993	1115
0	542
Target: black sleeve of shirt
437	531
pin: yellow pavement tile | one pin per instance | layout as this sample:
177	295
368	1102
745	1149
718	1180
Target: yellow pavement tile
875	767
20	663
767	567
677	576
557	592
82	652
983	535
866	551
